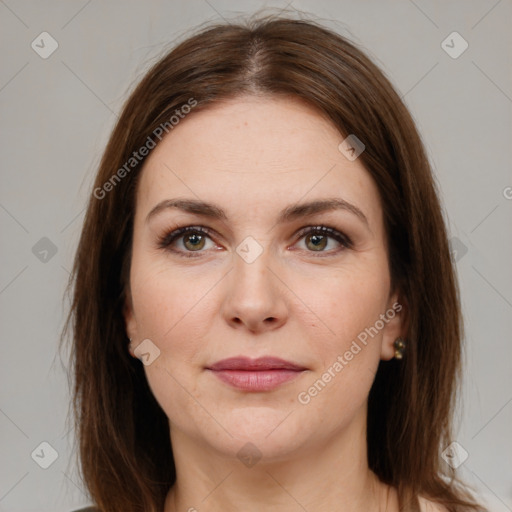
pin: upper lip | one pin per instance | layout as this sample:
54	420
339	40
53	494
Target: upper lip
259	364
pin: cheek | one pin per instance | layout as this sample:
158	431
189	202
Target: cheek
348	351
347	360
345	305
167	308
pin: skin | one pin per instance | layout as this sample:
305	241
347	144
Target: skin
254	156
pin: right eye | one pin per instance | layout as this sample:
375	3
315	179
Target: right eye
191	238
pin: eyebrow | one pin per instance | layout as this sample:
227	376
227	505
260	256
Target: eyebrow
290	213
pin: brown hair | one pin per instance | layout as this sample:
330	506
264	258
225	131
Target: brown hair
123	434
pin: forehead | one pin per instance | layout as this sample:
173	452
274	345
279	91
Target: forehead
255	154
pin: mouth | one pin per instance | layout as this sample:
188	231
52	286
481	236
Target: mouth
256	375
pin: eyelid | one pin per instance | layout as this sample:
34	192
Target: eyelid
167	239
174	234
325	230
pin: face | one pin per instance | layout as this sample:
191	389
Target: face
256	274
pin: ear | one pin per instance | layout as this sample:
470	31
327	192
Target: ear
396	325
130	321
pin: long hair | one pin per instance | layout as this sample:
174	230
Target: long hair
126	458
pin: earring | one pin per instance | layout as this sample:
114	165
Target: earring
399	345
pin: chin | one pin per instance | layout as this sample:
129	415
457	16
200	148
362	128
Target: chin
271	433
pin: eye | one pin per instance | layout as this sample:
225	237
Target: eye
317	238
192	239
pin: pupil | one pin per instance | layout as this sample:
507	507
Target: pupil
318	241
194	240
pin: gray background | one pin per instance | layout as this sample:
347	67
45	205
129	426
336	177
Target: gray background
56	115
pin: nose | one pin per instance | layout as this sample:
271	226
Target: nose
255	296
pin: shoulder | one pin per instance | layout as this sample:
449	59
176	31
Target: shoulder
427	505
86	509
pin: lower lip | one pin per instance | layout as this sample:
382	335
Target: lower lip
262	380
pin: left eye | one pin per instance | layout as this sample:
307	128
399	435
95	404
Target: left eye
193	239
316	238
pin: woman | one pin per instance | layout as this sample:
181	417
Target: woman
264	238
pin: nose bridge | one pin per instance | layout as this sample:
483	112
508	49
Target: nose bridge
254	297
251	268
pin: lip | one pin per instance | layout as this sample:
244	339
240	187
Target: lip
260	364
262	374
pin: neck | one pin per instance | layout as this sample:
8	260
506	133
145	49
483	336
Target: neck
333	475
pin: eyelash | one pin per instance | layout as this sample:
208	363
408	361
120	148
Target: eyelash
165	241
